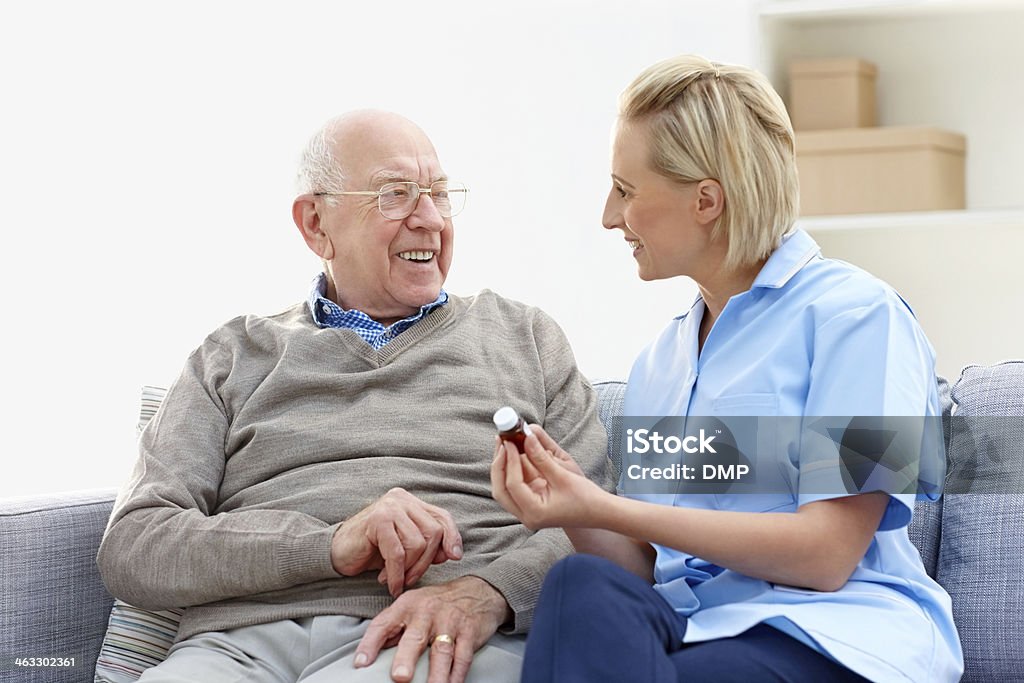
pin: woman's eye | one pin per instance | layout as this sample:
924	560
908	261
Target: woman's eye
621	191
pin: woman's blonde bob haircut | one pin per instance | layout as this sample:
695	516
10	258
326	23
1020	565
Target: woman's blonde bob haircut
708	120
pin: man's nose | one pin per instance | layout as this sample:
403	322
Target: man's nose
426	215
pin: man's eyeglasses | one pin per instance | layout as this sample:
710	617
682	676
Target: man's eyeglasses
398	200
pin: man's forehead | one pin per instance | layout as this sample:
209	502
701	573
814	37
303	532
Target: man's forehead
374	150
407	172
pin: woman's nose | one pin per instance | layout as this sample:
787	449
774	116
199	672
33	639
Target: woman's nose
612	217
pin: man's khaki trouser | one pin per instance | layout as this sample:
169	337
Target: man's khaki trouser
311	650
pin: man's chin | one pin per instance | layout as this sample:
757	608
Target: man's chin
418	297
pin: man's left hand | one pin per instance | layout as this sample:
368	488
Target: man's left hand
468	610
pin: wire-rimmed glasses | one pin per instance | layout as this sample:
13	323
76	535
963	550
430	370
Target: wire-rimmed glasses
397	200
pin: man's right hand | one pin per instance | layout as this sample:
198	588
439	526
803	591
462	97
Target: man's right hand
399	534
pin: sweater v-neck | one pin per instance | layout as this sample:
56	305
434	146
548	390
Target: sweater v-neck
425	326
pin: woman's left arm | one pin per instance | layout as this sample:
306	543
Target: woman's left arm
817	547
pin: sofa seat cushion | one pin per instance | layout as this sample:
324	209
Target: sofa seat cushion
980	561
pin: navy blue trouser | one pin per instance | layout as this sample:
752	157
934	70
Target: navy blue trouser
597	622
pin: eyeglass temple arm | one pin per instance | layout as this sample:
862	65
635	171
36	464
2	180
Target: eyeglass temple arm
338	194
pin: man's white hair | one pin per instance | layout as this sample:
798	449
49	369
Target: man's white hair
319	170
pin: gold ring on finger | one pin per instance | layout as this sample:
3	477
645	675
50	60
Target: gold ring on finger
443	638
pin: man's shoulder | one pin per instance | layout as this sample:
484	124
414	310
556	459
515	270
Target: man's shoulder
262	329
489	304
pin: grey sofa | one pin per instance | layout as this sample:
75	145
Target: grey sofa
54	605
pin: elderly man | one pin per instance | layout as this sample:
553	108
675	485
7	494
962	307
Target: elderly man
315	487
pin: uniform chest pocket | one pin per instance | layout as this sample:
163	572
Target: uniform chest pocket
750	423
746	405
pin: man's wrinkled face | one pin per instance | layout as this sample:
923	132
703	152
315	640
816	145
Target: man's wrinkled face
386	268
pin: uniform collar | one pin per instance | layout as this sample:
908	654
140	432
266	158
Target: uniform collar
795	252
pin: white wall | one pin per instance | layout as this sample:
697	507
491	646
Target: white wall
963	280
146	169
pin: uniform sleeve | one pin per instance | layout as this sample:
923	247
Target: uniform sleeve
571	419
164	547
872	421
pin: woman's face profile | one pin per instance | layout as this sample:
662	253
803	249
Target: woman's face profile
657	216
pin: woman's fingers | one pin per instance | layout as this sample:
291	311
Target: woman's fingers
530	471
498	487
544	438
542	444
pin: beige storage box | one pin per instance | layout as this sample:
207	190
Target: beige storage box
880	170
825	94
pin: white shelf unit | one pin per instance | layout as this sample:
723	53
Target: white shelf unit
804	10
965	221
955	64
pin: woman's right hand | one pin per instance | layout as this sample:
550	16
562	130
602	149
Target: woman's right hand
544	487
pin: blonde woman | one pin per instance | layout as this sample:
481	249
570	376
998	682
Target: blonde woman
802	585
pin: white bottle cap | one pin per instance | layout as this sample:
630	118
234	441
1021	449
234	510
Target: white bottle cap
506	418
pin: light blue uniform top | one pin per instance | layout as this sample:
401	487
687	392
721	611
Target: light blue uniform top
812	337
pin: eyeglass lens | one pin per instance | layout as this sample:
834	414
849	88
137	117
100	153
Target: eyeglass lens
398	200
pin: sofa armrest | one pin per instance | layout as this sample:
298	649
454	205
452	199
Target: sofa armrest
53	601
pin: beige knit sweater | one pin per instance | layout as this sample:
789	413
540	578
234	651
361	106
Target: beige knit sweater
277	431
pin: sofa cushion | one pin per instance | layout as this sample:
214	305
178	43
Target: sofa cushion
136	639
926	526
980	562
54	604
926	533
610	395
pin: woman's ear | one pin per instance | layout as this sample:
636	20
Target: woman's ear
710	201
306	214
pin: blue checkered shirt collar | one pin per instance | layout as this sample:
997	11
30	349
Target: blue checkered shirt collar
326	313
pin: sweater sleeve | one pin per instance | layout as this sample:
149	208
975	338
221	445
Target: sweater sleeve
164	545
571	419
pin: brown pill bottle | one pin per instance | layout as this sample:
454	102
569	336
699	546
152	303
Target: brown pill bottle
511	427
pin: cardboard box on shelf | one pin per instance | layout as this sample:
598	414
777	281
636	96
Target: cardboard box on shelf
832	93
880	170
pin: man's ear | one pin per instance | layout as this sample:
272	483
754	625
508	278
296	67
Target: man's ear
306	214
710	201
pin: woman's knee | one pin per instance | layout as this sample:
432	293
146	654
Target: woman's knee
584	572
583	582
